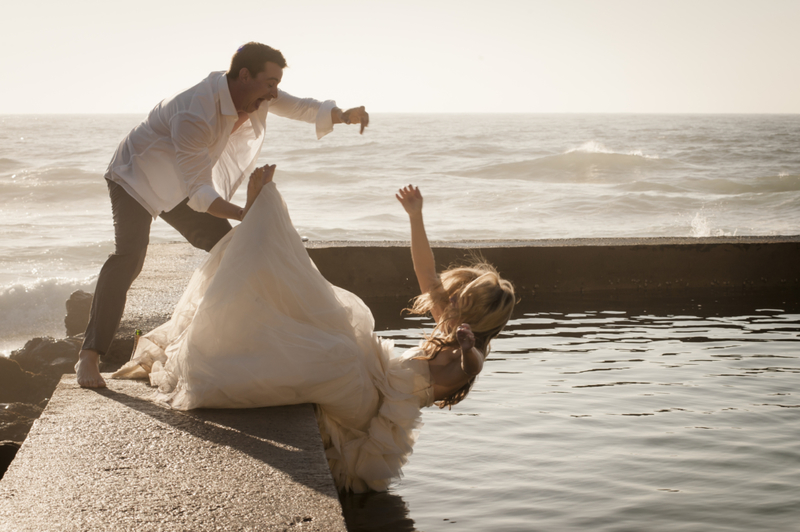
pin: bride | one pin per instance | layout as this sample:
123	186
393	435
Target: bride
259	326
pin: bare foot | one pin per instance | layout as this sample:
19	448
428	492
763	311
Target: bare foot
88	370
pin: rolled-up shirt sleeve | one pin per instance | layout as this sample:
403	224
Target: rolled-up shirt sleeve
192	137
306	110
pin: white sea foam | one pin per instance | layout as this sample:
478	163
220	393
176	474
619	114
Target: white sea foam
593	146
702	225
35	309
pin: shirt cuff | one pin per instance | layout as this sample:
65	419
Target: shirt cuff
202	198
324	122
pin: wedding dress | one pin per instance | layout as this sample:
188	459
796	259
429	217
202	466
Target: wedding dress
259	326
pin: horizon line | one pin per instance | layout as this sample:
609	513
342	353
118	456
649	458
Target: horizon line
683	113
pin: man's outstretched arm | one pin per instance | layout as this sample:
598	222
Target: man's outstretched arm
324	114
356	115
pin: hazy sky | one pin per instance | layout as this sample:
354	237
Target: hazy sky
697	56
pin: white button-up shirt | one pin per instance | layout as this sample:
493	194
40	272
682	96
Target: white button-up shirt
185	149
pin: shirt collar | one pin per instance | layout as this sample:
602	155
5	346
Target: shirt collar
226	106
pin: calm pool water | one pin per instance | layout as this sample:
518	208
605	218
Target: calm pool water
610	415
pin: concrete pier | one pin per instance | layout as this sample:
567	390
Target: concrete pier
112	460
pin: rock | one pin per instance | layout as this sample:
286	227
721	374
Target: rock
16	420
49	356
56	357
118	354
78	306
20	386
8	450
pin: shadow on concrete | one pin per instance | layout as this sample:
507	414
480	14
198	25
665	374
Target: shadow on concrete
262	434
273	435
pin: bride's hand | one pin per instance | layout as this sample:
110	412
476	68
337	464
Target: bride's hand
410	198
260	177
465	337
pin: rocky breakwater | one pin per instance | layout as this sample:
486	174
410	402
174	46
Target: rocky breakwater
29	375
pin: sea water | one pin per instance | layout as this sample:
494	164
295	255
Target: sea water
483	177
597	415
611	416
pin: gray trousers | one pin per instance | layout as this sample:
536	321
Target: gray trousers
131	236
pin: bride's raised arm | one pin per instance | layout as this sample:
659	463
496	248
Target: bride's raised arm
421	254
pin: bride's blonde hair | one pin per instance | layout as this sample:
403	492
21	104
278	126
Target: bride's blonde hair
473	294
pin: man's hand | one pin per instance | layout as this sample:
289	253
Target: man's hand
260	177
356	115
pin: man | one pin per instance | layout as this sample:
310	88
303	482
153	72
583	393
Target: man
183	163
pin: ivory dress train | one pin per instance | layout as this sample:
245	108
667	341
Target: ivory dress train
260	326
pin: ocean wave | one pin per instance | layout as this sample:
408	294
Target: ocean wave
590	161
650	186
7	165
56	257
65	173
36	309
332	150
760	185
338	176
593	146
782	182
54	184
577	166
471	151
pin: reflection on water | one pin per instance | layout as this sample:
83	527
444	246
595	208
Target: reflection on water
604	415
367	512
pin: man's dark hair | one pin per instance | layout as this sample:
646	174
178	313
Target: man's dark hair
252	56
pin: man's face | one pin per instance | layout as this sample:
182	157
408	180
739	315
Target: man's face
263	87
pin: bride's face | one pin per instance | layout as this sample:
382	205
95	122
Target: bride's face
261	88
